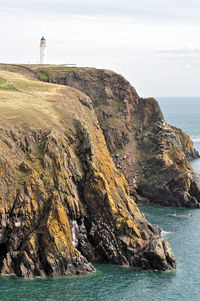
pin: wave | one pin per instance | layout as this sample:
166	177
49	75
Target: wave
182	215
165	233
197	139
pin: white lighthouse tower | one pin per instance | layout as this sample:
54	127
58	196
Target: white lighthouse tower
43	51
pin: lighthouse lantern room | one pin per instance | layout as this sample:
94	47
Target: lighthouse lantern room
43	51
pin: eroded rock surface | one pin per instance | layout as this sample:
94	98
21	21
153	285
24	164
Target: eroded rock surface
152	154
62	200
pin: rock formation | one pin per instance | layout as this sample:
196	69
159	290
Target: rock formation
62	200
151	154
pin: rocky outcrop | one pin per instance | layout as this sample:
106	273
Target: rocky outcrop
151	154
62	200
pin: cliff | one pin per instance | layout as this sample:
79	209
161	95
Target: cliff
62	200
151	154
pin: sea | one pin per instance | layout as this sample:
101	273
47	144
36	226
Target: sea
117	283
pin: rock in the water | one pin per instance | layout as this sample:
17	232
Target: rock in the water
158	255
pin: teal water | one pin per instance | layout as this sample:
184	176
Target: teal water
115	283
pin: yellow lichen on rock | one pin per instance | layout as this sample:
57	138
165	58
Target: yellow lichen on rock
62	198
59	228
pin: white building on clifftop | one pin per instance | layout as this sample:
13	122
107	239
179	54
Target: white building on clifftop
43	51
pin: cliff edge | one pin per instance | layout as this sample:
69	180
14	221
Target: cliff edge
62	200
152	155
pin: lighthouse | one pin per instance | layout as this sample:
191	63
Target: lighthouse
43	51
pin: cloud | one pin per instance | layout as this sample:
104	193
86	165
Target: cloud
187	66
140	10
181	51
148	41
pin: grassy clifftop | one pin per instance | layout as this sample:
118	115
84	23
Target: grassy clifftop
62	200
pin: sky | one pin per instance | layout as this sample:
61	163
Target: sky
155	44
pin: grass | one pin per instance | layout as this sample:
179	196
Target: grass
57	68
38	158
118	150
146	131
43	75
24	101
31	103
2	81
43	68
5	85
45	71
118	105
135	120
21	178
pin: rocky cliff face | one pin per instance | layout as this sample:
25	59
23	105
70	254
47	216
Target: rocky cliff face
62	200
151	154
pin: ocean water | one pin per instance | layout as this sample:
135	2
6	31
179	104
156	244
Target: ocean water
116	283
